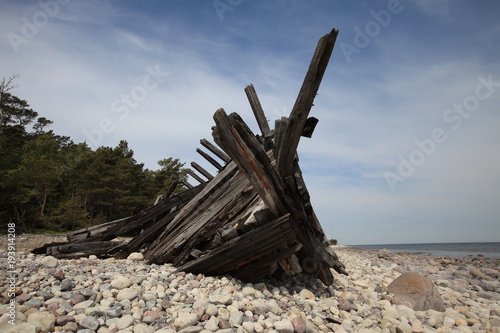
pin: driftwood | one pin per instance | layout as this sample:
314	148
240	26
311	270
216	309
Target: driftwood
253	219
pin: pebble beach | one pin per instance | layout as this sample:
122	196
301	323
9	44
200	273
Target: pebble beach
87	295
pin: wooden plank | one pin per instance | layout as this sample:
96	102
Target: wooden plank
304	102
82	247
304	195
209	159
202	225
169	193
219	153
172	205
157	252
232	134
245	249
195	176
187	184
91	231
143	239
257	270
200	169
257	110
214	220
171	189
279	132
309	127
148	216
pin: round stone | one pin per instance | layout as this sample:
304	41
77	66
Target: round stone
124	322
184	320
121	282
90	322
49	261
135	256
127	293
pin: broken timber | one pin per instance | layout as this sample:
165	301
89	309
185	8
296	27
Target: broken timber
253	219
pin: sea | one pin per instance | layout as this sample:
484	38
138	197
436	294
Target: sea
489	250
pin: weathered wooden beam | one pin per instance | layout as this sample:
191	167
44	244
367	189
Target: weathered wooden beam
171	189
279	132
187	184
309	127
162	248
219	153
147	236
304	102
246	249
209	159
169	193
195	176
142	220
232	199
257	110
92	231
201	170
234	136
82	247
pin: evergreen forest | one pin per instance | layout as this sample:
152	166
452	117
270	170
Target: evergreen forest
48	183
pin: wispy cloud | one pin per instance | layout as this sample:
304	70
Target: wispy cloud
371	110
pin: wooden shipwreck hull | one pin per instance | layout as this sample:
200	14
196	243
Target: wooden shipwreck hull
253	219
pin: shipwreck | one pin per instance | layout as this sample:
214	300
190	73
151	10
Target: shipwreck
252	220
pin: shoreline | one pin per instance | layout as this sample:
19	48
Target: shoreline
109	296
487	250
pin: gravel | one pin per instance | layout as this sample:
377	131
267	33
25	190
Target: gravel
129	295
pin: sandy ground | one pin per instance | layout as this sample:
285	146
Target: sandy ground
25	243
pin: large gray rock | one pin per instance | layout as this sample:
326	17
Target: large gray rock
416	292
44	317
385	254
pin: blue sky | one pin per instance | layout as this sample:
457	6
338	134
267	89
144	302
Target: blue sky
407	148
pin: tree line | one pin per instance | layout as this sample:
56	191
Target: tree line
48	182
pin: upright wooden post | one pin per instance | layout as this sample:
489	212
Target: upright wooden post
304	102
257	110
240	143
